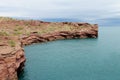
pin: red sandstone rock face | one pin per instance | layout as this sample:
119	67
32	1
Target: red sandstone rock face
3	70
12	60
35	38
11	63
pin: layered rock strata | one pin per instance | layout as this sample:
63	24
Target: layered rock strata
12	59
11	62
35	38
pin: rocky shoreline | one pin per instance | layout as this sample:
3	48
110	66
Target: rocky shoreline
35	38
12	59
11	62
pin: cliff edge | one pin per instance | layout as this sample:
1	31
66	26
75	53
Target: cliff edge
14	34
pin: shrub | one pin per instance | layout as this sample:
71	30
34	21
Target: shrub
3	33
12	43
20	28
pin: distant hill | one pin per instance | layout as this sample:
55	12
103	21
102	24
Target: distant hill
102	22
106	22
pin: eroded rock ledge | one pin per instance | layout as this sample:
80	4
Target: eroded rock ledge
12	59
11	62
35	38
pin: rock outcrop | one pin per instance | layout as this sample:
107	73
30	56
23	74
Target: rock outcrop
11	62
12	59
36	38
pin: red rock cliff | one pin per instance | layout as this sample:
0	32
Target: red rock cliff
12	59
11	62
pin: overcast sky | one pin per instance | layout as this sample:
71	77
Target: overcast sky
80	9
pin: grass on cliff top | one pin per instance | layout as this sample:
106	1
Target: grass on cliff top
14	27
6	19
3	33
12	43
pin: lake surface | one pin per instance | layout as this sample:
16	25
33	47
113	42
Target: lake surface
75	59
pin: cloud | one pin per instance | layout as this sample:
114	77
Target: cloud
81	9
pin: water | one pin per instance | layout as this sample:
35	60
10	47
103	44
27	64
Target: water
76	59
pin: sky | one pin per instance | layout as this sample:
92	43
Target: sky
86	10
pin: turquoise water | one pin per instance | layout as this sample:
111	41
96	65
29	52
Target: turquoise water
75	59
